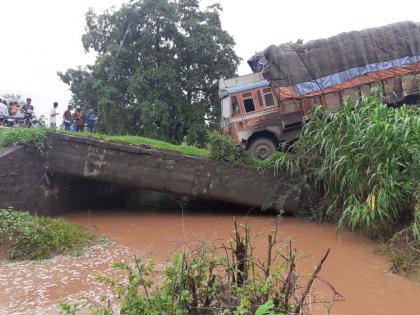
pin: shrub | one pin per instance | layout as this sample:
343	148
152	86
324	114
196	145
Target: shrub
138	140
16	136
34	237
364	159
224	149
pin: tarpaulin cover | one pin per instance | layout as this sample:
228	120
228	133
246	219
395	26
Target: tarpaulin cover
323	63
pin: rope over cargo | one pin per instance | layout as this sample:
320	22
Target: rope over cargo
323	63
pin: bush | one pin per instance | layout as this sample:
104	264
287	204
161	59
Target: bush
34	237
138	140
16	136
224	149
365	160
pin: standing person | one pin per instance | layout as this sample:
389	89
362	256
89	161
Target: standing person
79	118
67	118
90	121
53	116
28	105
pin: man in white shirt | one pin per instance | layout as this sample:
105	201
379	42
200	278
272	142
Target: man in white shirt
4	110
53	116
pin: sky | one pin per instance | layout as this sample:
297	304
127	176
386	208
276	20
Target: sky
39	38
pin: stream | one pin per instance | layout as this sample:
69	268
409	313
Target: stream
352	267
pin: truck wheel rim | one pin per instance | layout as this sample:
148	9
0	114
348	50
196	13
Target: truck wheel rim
263	152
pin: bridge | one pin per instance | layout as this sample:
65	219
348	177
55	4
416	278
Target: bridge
79	168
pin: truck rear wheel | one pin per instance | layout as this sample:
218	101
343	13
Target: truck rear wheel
262	148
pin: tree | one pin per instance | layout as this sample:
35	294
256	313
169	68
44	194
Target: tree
11	97
157	69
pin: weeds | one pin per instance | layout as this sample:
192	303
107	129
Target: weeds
365	160
35	237
216	278
224	149
137	140
32	136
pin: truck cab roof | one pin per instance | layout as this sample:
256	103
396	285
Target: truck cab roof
241	83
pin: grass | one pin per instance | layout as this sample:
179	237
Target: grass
18	136
365	160
34	237
137	140
219	147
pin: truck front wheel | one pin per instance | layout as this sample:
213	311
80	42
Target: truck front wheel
262	148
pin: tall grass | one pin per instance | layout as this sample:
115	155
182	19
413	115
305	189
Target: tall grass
16	136
34	237
138	140
365	161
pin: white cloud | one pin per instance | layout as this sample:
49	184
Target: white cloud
39	38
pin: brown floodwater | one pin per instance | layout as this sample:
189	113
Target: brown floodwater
352	267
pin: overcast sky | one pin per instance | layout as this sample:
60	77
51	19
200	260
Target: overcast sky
39	38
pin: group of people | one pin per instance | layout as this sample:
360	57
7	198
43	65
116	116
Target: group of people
72	120
75	120
13	108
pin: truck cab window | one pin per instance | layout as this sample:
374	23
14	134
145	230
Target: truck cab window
235	105
268	97
260	100
249	105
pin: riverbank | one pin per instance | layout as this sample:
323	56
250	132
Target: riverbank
24	236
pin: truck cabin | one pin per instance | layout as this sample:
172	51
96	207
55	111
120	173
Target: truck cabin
248	102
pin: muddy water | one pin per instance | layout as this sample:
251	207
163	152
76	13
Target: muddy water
352	267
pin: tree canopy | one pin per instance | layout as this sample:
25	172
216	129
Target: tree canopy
157	69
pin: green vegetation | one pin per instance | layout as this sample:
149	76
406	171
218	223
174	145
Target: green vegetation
137	140
365	162
224	149
33	136
157	69
365	159
27	236
219	146
206	280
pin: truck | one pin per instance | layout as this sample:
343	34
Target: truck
268	107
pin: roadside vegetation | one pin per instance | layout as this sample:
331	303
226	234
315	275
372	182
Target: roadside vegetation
24	236
16	136
219	147
138	140
225	149
216	278
365	162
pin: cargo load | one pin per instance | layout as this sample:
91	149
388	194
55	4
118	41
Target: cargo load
345	60
269	106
